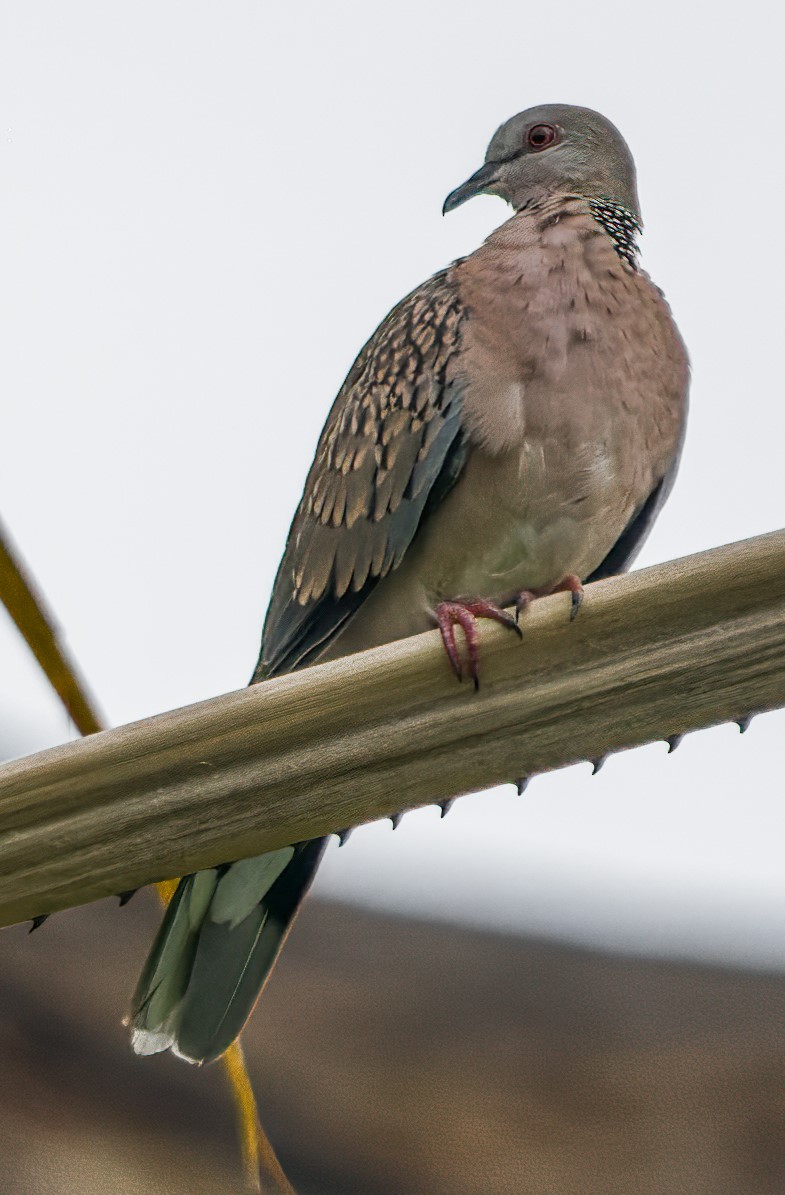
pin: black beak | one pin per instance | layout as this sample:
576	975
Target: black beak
479	182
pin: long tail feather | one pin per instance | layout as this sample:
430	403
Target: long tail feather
220	936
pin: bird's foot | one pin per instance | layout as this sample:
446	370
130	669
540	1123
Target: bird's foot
522	601
570	584
450	615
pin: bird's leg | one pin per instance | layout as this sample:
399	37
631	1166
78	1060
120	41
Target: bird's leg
465	615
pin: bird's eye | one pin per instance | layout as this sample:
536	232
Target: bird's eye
540	136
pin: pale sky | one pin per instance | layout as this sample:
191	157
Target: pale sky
207	208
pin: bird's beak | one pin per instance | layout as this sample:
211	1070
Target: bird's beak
479	183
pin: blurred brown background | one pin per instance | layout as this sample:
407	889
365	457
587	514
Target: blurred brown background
393	1057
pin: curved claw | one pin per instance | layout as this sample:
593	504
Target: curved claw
522	784
343	835
446	806
522	601
673	741
465	615
37	922
571	584
395	818
596	764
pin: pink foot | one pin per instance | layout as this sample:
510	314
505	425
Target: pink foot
465	615
570	584
523	601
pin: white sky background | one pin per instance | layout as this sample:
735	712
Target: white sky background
206	209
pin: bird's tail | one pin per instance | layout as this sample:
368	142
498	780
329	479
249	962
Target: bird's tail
219	938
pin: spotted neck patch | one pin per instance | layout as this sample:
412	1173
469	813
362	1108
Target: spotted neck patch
620	225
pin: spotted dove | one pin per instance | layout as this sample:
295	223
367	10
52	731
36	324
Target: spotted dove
512	427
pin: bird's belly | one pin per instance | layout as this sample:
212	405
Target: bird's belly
523	554
481	550
531	525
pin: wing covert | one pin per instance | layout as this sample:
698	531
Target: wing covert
392	438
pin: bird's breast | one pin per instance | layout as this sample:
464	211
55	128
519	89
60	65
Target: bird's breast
574	381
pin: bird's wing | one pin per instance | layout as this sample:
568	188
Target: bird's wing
635	534
390	450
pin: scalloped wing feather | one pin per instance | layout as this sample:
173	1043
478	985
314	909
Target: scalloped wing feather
394	431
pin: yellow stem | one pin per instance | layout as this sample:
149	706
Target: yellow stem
247	1115
28	610
257	1152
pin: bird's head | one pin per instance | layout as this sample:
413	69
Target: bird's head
554	149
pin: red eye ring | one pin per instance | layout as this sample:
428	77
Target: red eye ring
540	136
